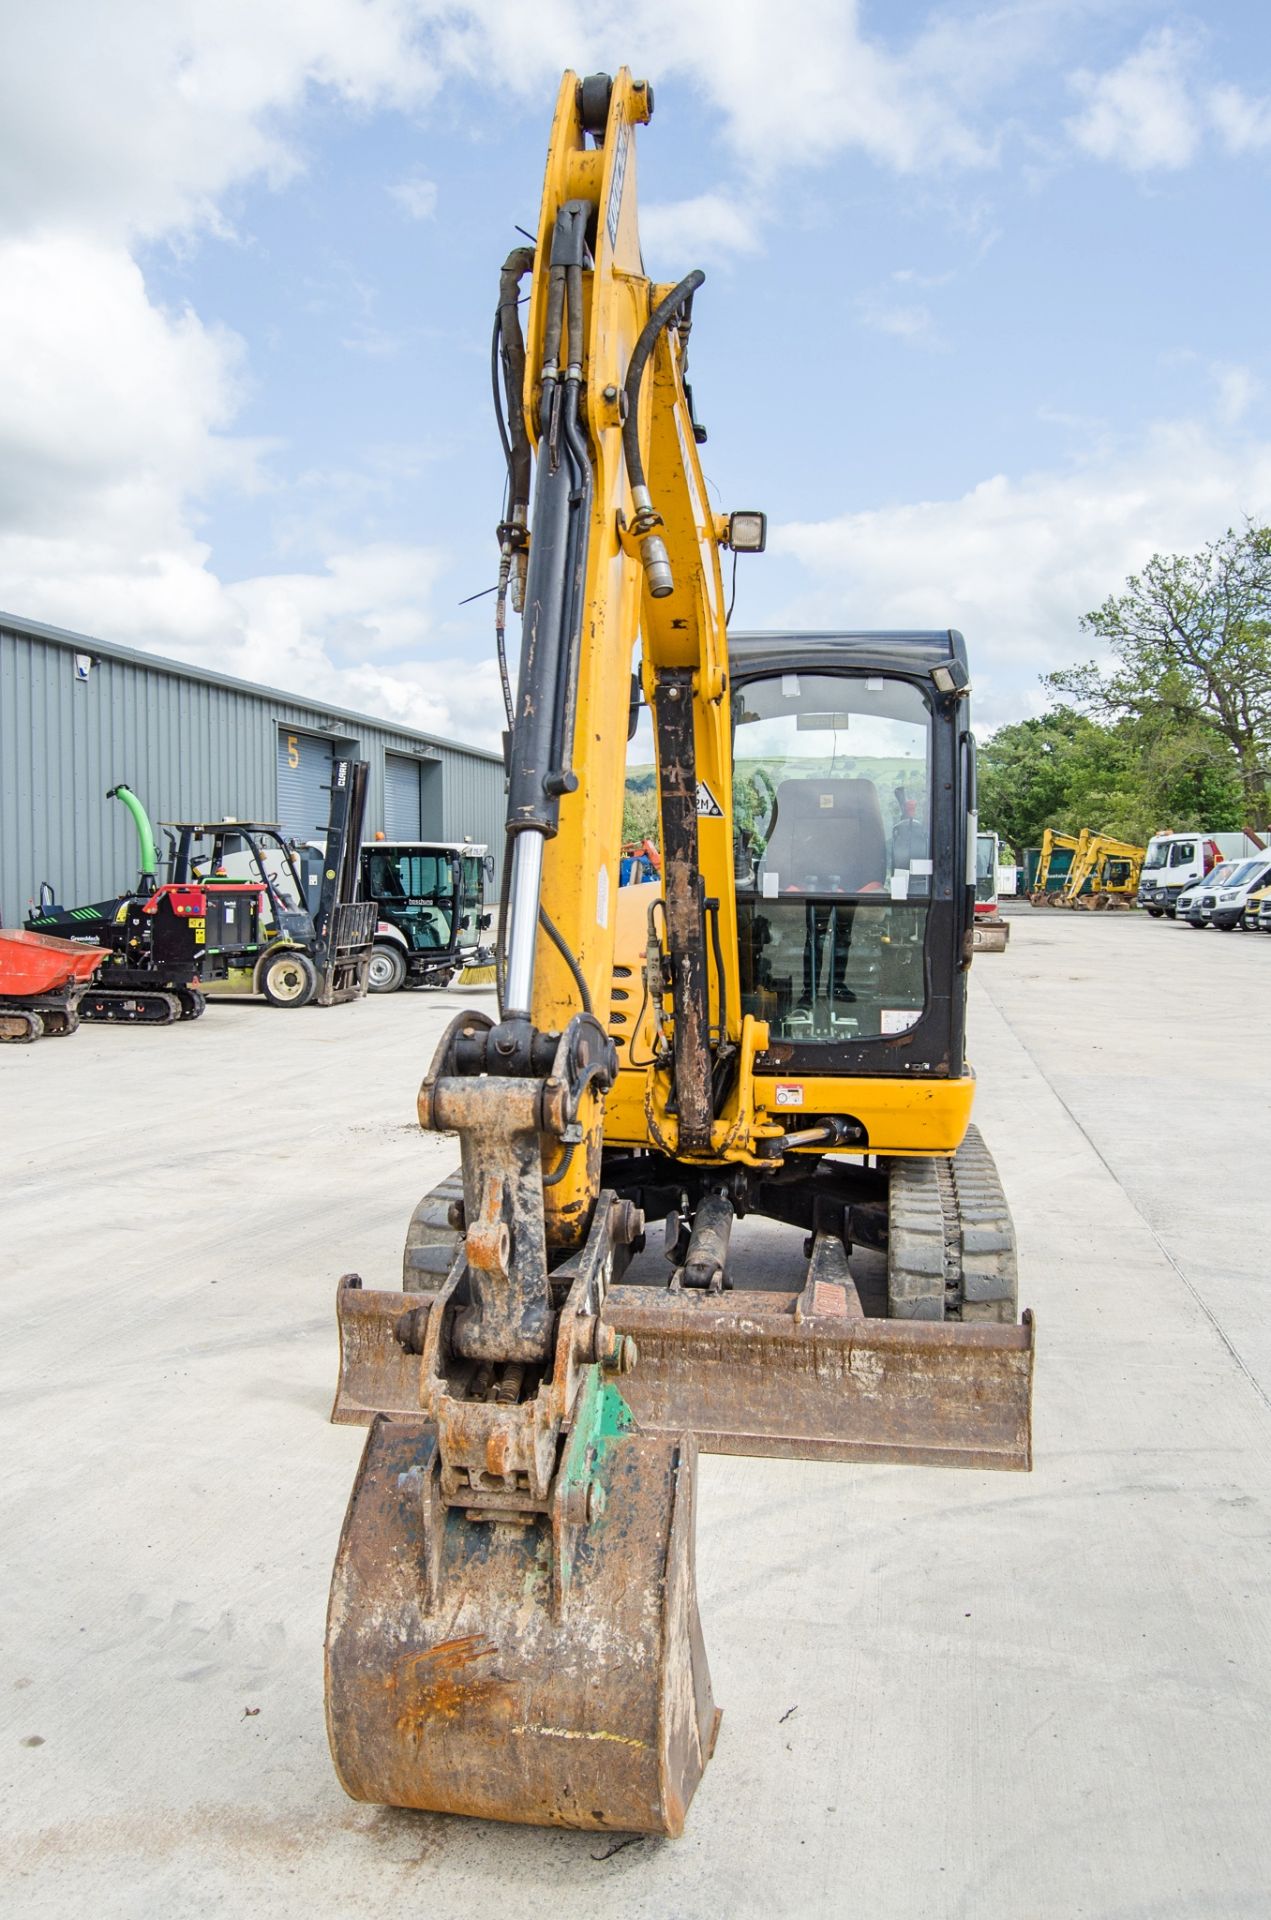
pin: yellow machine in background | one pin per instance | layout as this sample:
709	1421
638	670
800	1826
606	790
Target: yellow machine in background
776	1025
1044	889
1104	873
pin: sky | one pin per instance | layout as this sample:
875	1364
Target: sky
984	325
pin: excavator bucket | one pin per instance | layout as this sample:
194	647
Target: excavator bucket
551	1672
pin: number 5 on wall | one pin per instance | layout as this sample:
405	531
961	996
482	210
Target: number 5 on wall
293	750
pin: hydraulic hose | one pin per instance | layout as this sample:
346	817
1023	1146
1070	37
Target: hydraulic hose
542	733
512	342
507	345
653	553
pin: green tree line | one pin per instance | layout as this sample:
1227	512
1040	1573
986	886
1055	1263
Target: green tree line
1170	728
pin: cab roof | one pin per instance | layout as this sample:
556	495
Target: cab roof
859	650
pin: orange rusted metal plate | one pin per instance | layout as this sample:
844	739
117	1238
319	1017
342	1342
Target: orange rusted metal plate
459	1682
380	1344
795	1376
757	1373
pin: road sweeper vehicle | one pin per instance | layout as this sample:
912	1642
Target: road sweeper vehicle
430	901
775	1025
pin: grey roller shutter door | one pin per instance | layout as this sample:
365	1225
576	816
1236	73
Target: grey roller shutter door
402	819
304	783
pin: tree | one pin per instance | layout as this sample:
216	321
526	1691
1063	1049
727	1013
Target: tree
1191	635
1032	771
640	806
1141	775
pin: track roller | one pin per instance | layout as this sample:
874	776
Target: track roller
18	1025
123	1007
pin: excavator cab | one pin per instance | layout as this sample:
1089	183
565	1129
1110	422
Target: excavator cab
842	889
775	1025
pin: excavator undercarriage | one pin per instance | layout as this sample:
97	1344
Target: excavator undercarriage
775	1027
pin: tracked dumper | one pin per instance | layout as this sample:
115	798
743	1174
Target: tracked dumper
776	1025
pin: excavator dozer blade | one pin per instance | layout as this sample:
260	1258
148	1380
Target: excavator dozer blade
790	1375
464	1675
802	1376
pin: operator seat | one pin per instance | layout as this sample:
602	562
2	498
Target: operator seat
824	830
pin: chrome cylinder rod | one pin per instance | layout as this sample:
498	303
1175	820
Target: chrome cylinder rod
523	904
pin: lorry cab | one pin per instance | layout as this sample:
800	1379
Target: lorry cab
1172	863
1176	862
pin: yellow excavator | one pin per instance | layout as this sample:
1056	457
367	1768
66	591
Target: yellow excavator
1104	873
775	1025
1048	881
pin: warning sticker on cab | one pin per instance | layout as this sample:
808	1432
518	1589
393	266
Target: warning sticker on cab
708	807
789	1093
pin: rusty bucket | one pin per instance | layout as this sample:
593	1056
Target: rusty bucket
531	1670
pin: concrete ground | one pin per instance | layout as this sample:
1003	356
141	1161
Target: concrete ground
944	1694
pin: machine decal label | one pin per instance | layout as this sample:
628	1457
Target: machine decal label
602	897
896	1019
616	182
789	1093
708	807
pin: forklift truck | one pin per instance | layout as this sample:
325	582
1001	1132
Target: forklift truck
258	931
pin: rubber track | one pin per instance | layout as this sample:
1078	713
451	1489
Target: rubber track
951	1242
431	1241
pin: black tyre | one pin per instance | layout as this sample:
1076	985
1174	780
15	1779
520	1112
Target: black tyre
289	979
387	971
1154	913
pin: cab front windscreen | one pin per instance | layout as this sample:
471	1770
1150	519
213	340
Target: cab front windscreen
832	852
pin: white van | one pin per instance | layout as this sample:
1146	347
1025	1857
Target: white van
1190	895
1223	904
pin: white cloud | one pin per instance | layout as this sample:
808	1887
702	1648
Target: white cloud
1141	114
710	227
135	117
140	119
912	322
1243	124
792	87
363	633
1238	388
416	197
1015	562
107	441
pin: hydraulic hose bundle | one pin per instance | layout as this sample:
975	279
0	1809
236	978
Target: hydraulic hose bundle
551	587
